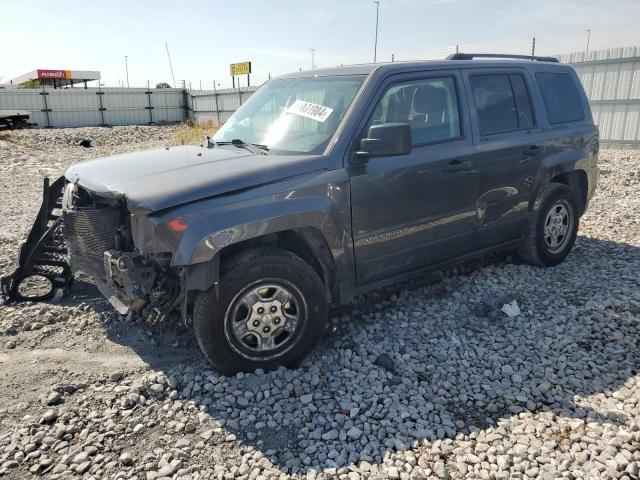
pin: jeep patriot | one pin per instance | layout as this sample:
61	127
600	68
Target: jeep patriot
323	185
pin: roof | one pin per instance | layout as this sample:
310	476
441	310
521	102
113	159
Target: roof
367	68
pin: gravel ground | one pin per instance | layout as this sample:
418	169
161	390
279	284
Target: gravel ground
428	379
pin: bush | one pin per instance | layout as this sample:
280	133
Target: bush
195	133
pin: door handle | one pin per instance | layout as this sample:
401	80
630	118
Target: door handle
458	166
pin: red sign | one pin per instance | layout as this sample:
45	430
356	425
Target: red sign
59	74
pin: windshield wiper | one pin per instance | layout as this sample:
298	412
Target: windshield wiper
252	147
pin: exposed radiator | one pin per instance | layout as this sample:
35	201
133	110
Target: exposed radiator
89	232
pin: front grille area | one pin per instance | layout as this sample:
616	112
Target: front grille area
89	232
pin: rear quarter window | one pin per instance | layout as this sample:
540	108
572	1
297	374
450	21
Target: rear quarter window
561	97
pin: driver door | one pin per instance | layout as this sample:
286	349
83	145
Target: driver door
419	209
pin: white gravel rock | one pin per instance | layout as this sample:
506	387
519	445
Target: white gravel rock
427	379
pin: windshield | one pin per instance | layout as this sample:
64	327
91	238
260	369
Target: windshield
292	116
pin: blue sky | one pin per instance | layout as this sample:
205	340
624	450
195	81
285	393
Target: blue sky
205	36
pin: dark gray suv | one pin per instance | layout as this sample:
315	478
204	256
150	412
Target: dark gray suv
323	185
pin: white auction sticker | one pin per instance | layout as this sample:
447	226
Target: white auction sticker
316	112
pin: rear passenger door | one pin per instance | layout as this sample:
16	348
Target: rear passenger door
510	144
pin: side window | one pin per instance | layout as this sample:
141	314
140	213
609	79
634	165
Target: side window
560	96
502	103
429	106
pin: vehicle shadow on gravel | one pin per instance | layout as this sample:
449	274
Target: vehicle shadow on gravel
433	358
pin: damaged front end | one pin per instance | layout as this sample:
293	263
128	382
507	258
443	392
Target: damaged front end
90	234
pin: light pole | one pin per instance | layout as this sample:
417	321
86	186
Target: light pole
313	58
588	38
170	65
126	67
375	45
533	46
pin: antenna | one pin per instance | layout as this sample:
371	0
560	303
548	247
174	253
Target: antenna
170	66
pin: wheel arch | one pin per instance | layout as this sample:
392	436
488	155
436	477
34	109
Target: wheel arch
308	243
577	181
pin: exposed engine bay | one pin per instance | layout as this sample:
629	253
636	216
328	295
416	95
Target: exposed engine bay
80	232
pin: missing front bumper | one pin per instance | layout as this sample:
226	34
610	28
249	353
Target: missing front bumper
130	278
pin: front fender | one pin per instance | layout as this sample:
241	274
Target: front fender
320	201
214	232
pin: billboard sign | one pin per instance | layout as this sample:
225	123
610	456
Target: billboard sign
243	68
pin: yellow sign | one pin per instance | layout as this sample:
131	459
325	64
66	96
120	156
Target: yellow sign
243	68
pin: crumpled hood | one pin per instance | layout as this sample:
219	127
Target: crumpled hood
154	180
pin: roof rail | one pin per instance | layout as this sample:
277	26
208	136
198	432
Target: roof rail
471	56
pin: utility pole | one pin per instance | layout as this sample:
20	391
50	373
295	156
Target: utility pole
375	45
457	49
126	67
588	38
170	66
533	47
393	58
313	58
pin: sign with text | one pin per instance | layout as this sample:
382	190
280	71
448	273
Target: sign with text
243	68
58	74
316	112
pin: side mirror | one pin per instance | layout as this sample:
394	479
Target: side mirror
384	139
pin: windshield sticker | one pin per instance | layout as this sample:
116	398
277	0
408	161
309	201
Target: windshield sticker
310	110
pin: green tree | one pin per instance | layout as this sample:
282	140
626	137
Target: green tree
163	85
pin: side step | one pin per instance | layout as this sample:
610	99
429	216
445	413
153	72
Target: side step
44	254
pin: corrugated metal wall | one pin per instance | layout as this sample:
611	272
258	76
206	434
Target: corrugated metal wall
216	105
611	79
79	107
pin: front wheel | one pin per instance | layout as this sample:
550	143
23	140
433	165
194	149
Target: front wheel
271	311
553	229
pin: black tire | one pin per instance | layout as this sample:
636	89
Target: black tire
535	248
247	272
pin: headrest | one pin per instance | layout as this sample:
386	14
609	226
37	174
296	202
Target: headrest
429	99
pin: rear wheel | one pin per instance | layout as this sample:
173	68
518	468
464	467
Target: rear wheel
553	229
271	311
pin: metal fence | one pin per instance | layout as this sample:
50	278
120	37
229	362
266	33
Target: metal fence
216	106
79	107
611	79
